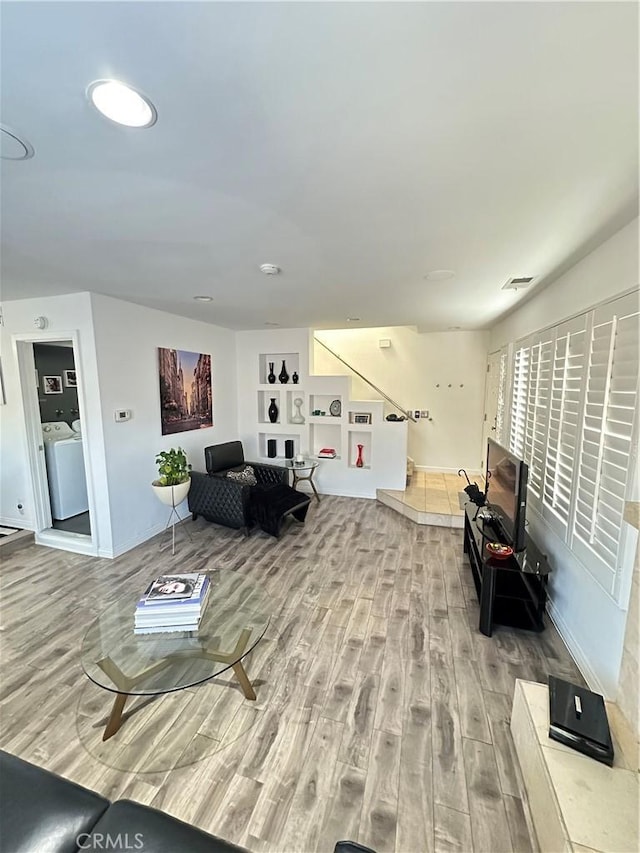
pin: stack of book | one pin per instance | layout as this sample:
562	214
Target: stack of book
172	603
327	453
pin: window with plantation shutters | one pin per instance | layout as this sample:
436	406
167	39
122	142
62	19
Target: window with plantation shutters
573	420
565	406
607	436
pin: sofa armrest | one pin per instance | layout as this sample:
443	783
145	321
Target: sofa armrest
155	832
219	499
269	475
41	810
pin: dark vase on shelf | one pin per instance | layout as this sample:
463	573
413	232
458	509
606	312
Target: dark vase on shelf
360	460
288	448
272	411
295	378
283	375
271	448
271	377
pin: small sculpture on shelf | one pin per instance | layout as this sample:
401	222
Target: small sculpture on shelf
272	411
360	460
295	378
271	377
298	417
283	375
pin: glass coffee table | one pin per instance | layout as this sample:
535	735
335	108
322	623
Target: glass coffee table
128	664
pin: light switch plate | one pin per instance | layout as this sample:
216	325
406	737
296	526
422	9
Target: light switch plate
122	415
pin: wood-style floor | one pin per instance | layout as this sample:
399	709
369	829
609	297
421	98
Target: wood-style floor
382	714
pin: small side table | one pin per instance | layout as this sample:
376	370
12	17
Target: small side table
298	468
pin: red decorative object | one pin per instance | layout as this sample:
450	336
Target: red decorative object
499	551
360	460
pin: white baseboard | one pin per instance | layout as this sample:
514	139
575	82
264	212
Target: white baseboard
575	650
433	470
66	541
147	534
20	523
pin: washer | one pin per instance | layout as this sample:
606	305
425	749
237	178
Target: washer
65	469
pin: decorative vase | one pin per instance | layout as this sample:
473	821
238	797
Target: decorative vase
298	417
283	375
271	448
360	460
288	448
171	495
295	378
272	411
271	377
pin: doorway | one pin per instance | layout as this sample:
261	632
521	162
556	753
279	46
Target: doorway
57	444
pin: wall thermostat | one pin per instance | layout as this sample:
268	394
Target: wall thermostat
122	415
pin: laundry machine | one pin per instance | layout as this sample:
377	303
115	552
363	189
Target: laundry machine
65	470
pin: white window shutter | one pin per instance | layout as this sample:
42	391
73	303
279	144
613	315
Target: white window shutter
519	397
565	413
606	438
501	409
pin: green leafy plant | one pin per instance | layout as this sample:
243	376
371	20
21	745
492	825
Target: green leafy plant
173	467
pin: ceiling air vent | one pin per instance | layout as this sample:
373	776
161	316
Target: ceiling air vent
518	283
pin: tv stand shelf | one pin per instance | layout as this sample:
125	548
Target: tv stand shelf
512	591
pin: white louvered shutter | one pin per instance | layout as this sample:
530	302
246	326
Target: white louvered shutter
519	398
537	415
606	446
501	408
565	411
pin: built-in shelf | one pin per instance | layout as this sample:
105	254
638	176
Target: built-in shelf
291	359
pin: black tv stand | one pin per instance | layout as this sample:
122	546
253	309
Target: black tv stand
511	591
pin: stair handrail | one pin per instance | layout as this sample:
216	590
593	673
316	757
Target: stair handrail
389	399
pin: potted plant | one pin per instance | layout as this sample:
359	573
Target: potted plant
174	480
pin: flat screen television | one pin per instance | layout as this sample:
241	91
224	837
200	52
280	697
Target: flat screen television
507	492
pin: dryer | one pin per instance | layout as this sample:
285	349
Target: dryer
65	468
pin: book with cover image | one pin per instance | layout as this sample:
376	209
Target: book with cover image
174	587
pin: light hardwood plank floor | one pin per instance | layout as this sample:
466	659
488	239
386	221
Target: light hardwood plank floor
381	713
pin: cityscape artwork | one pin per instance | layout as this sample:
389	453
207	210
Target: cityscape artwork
186	400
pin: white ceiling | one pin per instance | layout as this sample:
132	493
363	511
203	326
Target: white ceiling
356	145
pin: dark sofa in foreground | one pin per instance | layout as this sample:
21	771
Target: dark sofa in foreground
41	812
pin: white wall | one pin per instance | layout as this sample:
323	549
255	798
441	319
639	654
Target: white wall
118	368
127	338
409	371
608	271
590	621
65	315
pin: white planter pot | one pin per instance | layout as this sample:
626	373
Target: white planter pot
172	495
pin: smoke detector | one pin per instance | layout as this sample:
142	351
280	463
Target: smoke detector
269	269
518	283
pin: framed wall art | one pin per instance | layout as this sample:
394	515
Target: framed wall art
52	384
186	396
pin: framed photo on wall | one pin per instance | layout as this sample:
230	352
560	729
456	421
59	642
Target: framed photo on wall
70	379
52	384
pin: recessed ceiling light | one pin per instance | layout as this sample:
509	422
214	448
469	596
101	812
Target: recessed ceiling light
439	275
269	269
203	298
272	324
121	103
13	146
454	328
353	319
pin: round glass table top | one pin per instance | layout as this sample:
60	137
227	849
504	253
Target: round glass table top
306	464
235	618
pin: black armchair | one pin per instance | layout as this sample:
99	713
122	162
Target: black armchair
222	500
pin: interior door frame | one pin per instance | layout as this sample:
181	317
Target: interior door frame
45	533
492	380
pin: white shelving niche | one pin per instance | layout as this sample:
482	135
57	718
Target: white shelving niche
384	443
